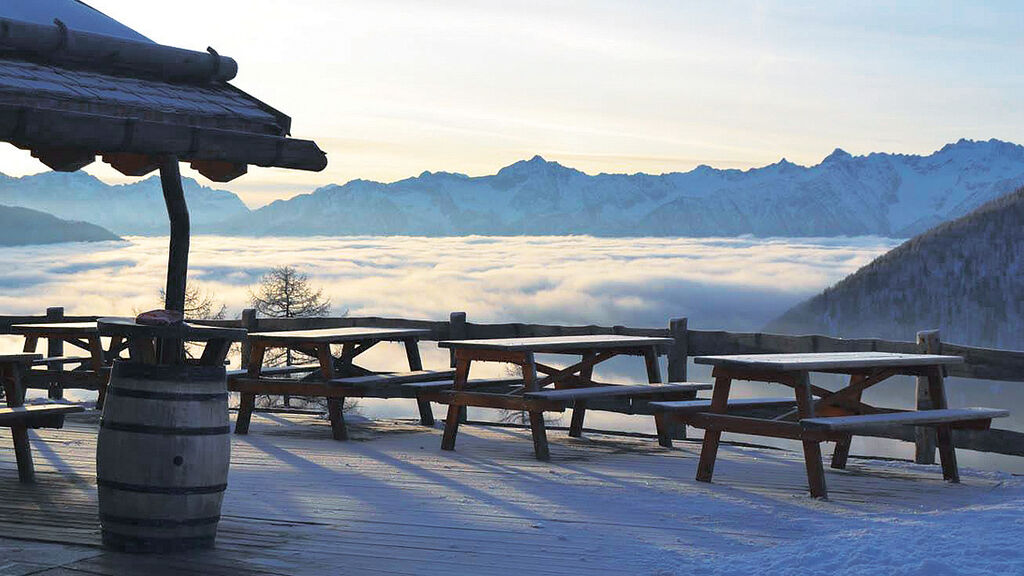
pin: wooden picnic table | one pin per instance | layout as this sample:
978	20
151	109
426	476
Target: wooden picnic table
91	371
573	384
152	344
354	341
825	415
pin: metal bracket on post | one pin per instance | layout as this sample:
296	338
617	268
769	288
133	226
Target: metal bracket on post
173	351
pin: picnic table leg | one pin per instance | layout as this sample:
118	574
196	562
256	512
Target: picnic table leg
579	407
709	449
96	360
19	432
653	366
334	405
247	400
812	448
537	428
842	450
663	425
412	353
944	433
451	422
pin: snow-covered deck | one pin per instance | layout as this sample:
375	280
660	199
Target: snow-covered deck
390	502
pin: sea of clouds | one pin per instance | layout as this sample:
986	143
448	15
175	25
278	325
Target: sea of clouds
719	283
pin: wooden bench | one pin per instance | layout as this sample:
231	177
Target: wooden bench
385	385
943	419
972	418
577	398
681	410
19	419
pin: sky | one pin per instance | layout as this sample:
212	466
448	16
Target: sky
391	88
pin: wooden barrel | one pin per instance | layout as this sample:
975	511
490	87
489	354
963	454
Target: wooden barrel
162	456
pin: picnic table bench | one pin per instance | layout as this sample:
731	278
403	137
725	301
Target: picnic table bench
334	378
19	418
572	386
821	414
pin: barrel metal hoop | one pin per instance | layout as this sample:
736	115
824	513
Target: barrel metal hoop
177	396
164	430
173	490
159	522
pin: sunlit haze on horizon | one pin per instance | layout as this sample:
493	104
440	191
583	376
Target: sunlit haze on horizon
392	88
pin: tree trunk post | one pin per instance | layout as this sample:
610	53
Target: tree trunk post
173	352
924	438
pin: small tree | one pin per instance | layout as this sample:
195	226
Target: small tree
200	304
284	292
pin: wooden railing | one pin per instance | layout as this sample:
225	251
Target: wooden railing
980	363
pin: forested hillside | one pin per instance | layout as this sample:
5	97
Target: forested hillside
965	277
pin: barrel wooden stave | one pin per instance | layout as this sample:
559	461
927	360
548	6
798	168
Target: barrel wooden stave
162	456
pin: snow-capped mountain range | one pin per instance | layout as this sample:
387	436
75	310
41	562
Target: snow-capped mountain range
895	195
136	208
881	194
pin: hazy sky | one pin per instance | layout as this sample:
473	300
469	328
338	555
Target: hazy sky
390	88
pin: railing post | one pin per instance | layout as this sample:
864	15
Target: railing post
54	349
677	355
924	438
457	331
250	324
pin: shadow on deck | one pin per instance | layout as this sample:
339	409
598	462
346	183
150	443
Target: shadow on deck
391	502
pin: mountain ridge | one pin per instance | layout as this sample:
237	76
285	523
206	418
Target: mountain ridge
881	194
964	277
24	226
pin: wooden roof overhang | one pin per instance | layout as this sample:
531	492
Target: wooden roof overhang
71	96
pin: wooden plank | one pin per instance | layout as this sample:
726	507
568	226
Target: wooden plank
489	400
910	418
32	412
396	378
688	406
616	390
277	370
826	361
544	344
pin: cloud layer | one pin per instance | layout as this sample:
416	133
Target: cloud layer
722	283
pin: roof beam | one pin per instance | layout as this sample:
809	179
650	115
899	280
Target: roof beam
132	164
47	129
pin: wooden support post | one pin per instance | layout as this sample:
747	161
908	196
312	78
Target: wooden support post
924	437
457	331
677	356
173	351
250	323
55	349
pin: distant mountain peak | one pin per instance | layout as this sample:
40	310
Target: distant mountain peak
837	155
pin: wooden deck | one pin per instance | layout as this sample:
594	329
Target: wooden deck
391	502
